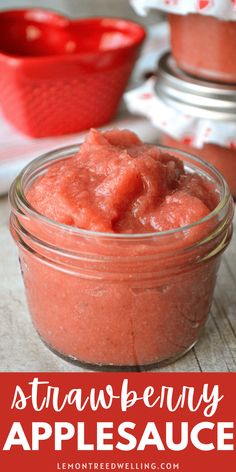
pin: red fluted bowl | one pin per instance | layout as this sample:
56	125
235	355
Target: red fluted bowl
61	76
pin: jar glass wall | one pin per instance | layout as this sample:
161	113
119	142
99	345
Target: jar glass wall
115	301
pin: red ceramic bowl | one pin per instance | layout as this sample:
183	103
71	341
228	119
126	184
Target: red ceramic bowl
59	76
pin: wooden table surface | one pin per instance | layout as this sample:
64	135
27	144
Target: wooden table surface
21	349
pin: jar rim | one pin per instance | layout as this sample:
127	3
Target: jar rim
19	201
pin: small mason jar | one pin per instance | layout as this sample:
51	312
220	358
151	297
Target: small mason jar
119	301
202	102
204	46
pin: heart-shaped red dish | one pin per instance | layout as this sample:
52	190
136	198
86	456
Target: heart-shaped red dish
61	76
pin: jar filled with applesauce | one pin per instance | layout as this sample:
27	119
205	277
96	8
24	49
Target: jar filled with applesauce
204	46
121	300
205	123
203	35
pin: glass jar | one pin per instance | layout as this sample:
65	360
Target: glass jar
204	46
115	301
202	103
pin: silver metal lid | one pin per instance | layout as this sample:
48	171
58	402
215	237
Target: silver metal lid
193	96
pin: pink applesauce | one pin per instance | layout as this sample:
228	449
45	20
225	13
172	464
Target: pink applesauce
117	184
111	277
224	159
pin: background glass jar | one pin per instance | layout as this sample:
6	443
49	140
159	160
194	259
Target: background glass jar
114	301
204	46
213	103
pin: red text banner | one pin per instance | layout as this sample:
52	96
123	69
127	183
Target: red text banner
113	421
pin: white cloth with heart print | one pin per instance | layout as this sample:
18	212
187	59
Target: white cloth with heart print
222	9
196	131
